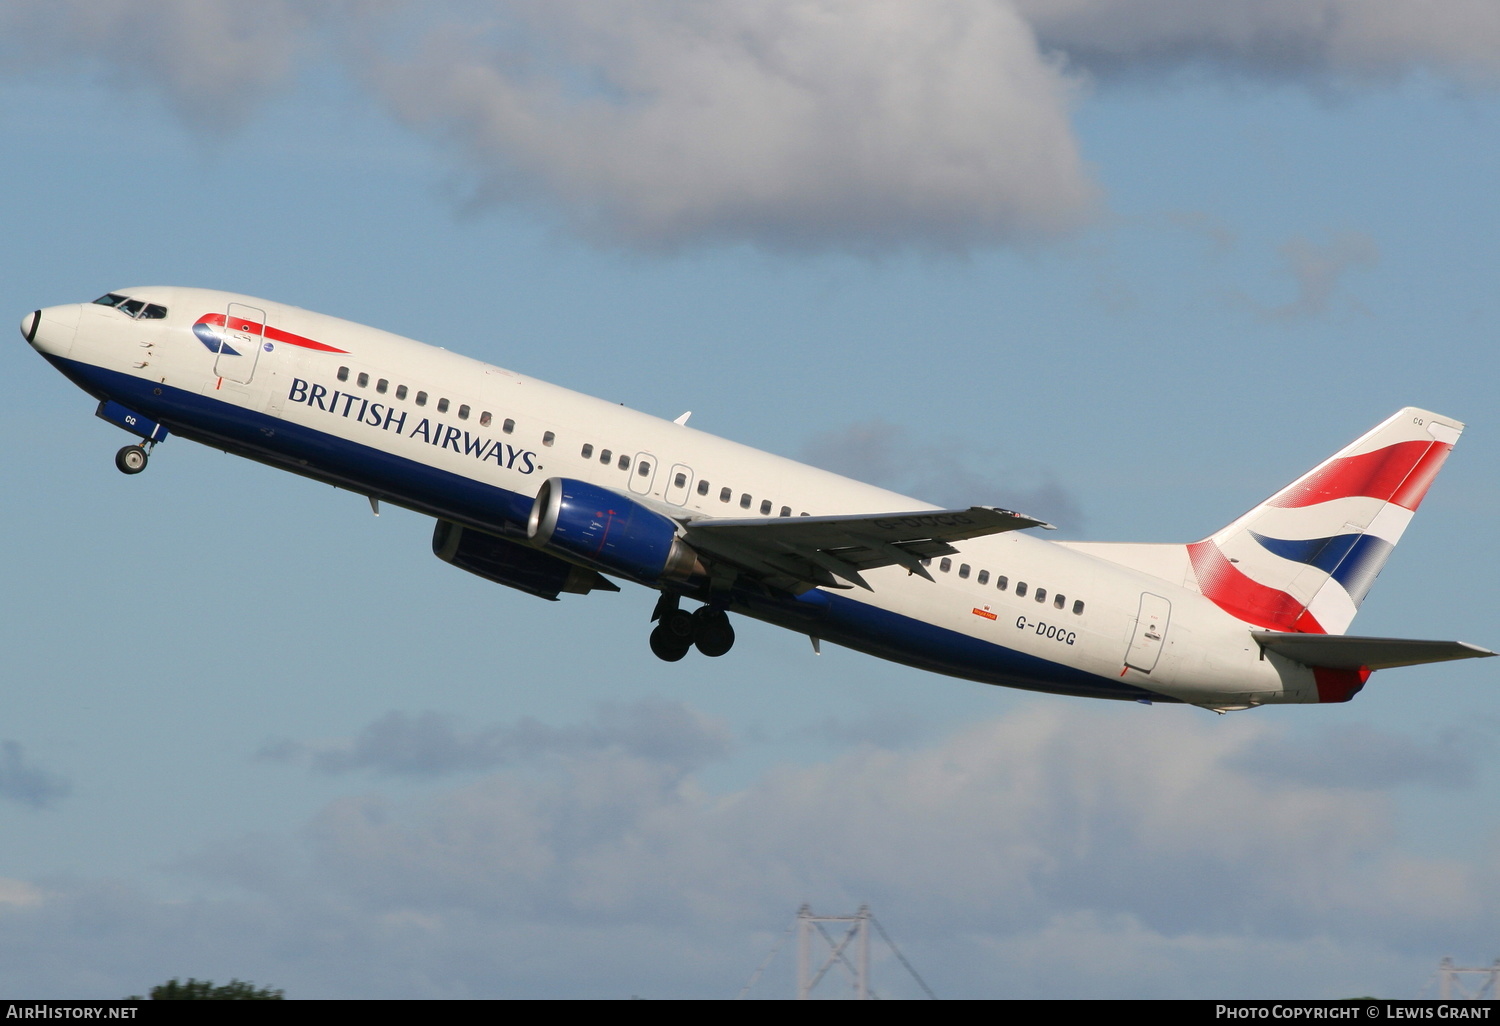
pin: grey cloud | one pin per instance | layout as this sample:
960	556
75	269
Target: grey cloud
1318	271
212	61
1221	237
1043	820
1353	39
942	473
790	124
430	744
886	728
1059	849
864	126
1362	758
28	784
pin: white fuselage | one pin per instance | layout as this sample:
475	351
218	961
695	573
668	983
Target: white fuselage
458	439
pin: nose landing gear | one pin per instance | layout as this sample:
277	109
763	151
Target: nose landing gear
708	629
131	459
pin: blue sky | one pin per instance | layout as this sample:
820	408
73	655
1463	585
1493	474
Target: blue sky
1127	264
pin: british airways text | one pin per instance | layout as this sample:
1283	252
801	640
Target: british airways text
389	418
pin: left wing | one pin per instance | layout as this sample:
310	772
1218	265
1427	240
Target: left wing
798	553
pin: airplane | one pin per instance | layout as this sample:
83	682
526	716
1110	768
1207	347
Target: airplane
552	492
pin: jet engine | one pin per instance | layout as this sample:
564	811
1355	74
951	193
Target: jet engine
610	532
512	564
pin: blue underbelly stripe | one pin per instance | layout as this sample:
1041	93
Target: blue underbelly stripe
435	492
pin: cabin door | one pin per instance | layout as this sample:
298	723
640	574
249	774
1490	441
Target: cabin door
1150	632
239	348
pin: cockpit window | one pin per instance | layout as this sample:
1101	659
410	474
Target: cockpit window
137	308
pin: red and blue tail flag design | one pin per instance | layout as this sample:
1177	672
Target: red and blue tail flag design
1304	559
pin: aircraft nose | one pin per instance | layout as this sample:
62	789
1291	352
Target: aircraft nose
50	331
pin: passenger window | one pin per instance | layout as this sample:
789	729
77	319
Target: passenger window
984	577
786	511
1041	594
680	481
421	398
724	494
382	385
400	391
926	560
765	507
624	463
1078	607
548	438
744	500
1002	582
588	451
343	373
463	412
154	312
605	455
643	469
442	403
363	380
702	487
485	418
1020	589
508	426
945	565
1058	601
963	571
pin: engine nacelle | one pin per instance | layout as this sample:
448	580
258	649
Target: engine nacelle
513	564
610	532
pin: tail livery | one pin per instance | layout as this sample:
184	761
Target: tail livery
1303	560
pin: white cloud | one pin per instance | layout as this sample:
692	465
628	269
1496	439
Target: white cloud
794	124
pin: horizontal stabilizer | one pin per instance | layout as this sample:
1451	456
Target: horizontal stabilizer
1344	652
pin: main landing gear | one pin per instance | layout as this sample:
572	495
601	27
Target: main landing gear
132	459
677	630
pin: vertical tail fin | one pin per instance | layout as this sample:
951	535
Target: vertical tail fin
1304	559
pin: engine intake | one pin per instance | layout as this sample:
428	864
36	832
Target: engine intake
609	532
514	565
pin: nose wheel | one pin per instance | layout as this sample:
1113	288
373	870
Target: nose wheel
707	629
131	459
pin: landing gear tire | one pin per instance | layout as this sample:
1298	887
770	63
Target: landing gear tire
679	624
131	459
667	646
712	632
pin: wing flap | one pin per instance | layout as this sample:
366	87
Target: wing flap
1343	652
803	552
